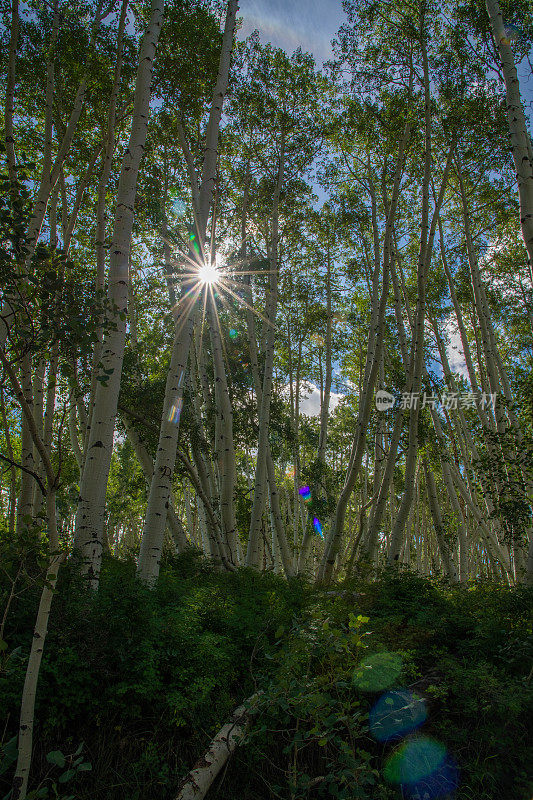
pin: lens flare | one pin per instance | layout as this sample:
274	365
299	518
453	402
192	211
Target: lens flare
422	768
440	785
178	207
377	672
396	714
512	32
305	493
233	333
318	527
175	410
194	243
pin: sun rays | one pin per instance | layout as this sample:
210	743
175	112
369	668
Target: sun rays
209	273
207	283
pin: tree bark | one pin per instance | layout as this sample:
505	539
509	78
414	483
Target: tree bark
520	141
373	361
252	553
196	784
91	504
414	380
27	712
154	523
438	524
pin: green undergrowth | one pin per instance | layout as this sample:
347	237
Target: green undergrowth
144	679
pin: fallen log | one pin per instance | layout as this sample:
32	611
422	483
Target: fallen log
197	782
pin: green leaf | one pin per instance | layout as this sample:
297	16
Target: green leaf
37	793
10	749
9	752
3	645
67	776
57	758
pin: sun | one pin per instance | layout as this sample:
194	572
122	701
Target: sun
209	273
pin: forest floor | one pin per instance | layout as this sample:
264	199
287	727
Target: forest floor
393	687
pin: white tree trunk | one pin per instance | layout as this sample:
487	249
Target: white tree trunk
373	361
414	380
25	499
154	523
93	484
252	553
27	711
145	460
196	784
519	135
438	524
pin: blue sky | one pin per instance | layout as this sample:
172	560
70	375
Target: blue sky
312	24
309	24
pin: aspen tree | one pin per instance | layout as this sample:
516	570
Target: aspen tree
174	524
93	483
372	364
279	538
154	523
252	559
521	149
416	359
12	506
27	710
103	182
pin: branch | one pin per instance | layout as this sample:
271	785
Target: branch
26	410
25	469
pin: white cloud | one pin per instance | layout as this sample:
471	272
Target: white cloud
454	350
309	24
310	399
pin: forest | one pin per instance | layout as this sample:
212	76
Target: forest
266	436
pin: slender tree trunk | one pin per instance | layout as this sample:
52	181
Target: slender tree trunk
27	712
12	507
438	524
324	409
25	500
252	554
93	484
224	446
100	238
29	691
376	516
197	782
417	347
154	523
145	460
373	361
519	135
38	411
